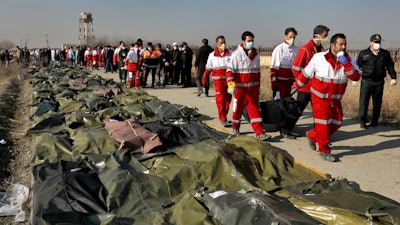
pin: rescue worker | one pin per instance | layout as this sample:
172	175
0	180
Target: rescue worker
282	78
116	58
88	57
141	52
217	64
150	62
281	65
132	65
328	73
243	77
100	50
200	63
122	53
304	55
373	62
95	58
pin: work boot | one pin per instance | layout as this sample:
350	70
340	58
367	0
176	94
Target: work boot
263	137
312	144
363	125
226	123
327	157
373	124
235	132
286	134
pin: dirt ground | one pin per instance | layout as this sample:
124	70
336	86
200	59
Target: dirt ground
16	153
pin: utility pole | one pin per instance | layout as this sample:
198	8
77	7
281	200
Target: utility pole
47	40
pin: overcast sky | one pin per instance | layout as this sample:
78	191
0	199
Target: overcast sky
185	20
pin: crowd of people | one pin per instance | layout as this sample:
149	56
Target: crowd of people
318	75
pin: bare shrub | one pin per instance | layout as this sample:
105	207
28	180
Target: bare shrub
6	44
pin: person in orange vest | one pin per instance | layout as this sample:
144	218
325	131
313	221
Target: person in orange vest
150	61
132	65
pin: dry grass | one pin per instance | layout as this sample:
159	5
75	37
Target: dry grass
11	71
390	114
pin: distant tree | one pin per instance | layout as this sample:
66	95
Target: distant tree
101	41
6	44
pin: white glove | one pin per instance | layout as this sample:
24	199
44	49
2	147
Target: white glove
393	82
354	83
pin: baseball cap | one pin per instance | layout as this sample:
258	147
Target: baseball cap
376	38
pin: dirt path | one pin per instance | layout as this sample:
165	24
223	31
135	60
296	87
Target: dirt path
368	157
16	152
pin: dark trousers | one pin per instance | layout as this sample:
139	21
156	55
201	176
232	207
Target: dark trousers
304	98
370	89
163	74
176	72
108	66
153	76
199	76
122	72
187	76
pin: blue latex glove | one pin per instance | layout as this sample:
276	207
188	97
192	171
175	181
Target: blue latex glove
343	60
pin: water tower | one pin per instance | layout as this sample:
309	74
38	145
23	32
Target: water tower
86	36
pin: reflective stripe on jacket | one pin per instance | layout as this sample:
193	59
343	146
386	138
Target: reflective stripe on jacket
328	77
281	62
243	70
217	64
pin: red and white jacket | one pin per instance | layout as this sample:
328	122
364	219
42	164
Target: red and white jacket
132	60
116	55
95	55
217	63
243	70
87	53
328	76
303	57
281	62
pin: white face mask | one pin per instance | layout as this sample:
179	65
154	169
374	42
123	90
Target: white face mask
324	41
377	46
290	41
